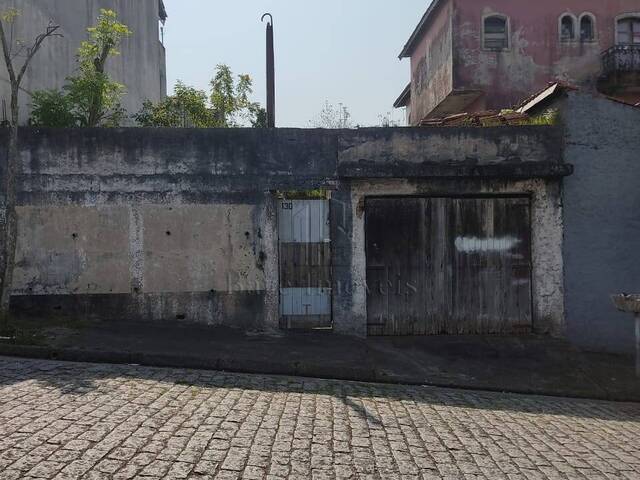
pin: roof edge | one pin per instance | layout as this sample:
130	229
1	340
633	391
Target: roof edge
162	11
403	99
407	50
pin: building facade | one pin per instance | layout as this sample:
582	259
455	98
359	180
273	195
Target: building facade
469	56
141	65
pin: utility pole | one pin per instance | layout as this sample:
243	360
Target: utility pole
271	74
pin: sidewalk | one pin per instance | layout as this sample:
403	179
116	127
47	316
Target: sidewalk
535	365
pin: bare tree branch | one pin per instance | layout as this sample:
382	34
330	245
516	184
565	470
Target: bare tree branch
50	32
7	49
19	51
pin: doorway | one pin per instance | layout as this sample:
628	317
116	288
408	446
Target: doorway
305	264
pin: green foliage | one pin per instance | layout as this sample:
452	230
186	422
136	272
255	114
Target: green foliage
104	40
259	117
227	105
52	108
9	15
230	100
90	98
187	107
317	194
95	100
548	117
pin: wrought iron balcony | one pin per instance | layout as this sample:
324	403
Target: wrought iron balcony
621	59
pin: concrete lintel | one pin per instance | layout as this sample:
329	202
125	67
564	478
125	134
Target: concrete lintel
505	170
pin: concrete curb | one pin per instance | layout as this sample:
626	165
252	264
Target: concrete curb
274	367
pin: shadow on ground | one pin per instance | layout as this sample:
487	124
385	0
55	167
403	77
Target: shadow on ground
71	378
533	365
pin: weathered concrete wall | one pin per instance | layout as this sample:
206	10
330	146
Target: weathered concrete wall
159	225
141	65
432	64
350	297
523	152
180	225
602	220
199	263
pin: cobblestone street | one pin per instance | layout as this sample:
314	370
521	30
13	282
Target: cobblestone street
67	420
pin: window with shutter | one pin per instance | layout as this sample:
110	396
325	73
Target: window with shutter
496	33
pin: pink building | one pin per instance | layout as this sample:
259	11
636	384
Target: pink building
473	55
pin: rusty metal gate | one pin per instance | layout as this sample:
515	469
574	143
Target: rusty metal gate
448	266
305	264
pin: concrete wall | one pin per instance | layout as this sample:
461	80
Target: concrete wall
432	64
602	220
180	225
141	65
159	225
160	262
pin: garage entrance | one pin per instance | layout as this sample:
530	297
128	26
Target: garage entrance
448	266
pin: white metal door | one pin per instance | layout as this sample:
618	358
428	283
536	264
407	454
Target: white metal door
305	264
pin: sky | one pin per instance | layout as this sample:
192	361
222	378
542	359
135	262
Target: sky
341	51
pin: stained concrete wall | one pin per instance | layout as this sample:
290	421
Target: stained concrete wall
141	65
180	225
158	262
432	64
602	220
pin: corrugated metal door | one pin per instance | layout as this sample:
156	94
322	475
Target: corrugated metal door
448	266
305	264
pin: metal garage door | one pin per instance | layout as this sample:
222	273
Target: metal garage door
448	266
305	264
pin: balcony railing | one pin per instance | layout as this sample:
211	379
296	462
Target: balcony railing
621	59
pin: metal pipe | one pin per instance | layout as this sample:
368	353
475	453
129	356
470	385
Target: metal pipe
271	75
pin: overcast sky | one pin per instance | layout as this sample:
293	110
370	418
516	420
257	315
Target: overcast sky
343	51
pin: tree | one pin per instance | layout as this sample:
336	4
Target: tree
227	105
332	117
230	100
52	108
187	107
90	98
11	51
259	119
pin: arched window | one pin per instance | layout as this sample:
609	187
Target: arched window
587	28
496	32
567	29
629	30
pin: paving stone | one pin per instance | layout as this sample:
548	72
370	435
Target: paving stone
71	421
